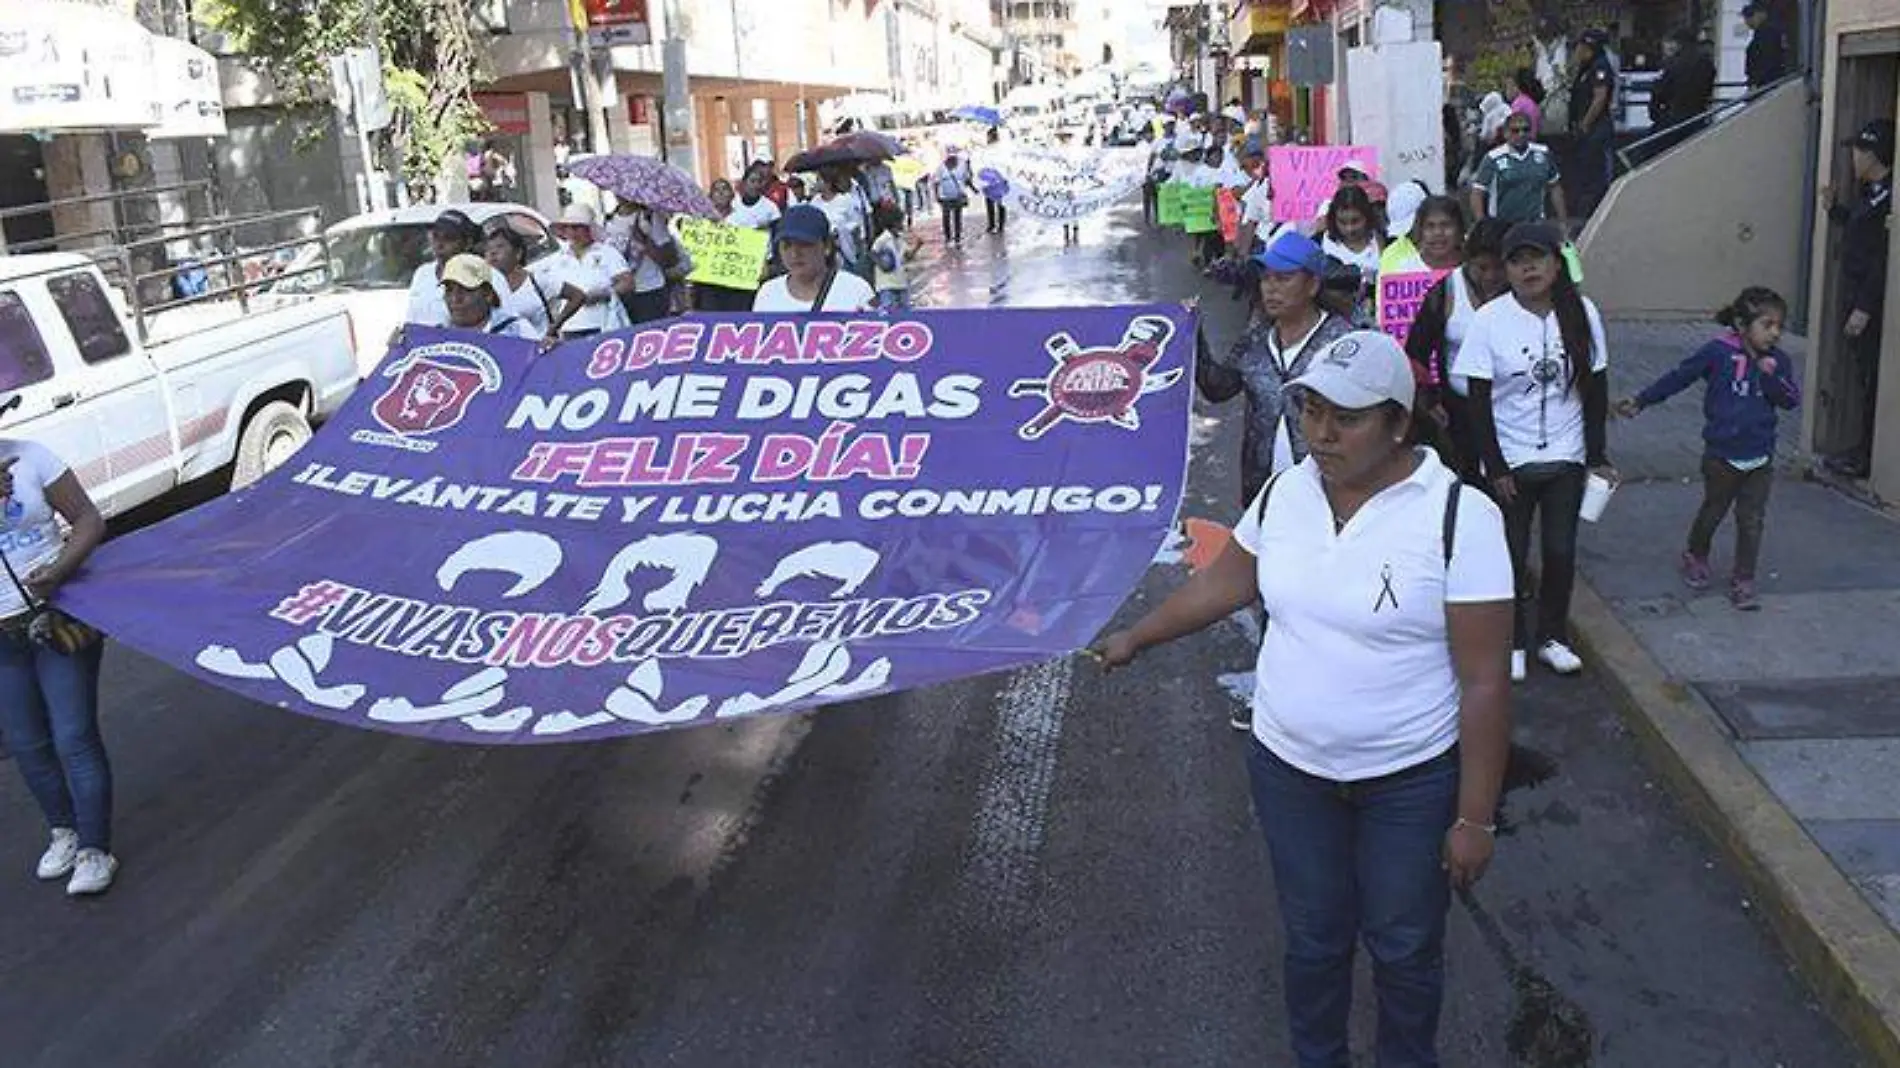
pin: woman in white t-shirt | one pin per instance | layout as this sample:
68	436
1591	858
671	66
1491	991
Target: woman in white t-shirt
1382	721
524	299
1538	368
49	700
1351	237
812	281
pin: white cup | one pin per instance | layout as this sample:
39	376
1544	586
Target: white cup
1597	492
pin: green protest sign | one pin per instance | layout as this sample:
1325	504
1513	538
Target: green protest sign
1168	204
1198	212
731	257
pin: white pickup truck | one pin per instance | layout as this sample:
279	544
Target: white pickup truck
214	389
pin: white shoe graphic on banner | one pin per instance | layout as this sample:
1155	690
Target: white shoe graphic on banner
480	692
296	666
530	557
821	673
688	556
848	562
501	722
557	723
637	701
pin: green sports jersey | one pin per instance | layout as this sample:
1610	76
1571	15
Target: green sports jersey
1515	183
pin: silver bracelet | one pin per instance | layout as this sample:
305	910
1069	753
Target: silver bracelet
1488	828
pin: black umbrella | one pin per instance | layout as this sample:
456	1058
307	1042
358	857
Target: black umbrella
863	146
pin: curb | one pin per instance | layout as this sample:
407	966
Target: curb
1845	951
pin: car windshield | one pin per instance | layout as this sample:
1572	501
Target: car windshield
378	257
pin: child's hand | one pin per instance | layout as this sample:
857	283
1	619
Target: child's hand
1767	365
1628	407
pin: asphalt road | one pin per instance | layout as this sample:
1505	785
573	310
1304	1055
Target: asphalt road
1041	869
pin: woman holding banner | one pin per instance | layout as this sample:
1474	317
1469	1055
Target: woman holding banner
1291	326
812	281
49	669
592	277
1380	743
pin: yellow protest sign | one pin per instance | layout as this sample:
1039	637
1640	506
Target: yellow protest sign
731	257
907	171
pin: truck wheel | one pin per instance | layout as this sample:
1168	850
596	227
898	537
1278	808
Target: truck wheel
272	437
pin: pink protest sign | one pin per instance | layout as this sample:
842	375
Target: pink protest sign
1400	294
1304	176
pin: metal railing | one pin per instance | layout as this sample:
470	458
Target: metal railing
1660	140
234	271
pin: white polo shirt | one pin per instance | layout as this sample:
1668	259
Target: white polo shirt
1539	413
1355	676
759	215
590	272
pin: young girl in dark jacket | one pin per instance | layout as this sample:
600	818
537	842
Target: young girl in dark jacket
1748	383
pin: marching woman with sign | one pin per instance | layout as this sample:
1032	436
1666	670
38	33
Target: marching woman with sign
1538	367
812	281
591	274
1381	740
49	665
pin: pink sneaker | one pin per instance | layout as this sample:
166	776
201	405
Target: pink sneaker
1741	594
1695	571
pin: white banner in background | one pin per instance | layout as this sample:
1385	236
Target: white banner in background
1065	184
1394	93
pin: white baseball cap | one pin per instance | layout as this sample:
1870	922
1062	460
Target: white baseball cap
1364	369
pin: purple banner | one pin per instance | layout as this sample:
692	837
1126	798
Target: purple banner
713	517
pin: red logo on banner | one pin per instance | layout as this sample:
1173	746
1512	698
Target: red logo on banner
1099	385
433	387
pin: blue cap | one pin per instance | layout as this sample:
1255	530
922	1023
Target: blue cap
1293	251
805	225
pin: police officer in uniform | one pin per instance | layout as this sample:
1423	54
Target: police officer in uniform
1864	225
1592	93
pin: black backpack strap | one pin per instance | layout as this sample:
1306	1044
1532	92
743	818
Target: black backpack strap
1451	517
1266	492
502	326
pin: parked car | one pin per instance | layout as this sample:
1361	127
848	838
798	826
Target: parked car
372	258
214	389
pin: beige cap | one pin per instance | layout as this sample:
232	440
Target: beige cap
467	271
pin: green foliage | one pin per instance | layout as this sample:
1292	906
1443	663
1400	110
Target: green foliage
428	64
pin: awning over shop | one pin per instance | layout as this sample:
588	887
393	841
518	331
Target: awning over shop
76	66
1258	25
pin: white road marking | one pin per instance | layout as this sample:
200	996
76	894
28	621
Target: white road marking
1013	798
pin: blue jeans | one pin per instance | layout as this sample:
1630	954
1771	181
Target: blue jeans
49	719
1360	861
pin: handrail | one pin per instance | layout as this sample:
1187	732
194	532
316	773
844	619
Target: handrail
122	194
1705	118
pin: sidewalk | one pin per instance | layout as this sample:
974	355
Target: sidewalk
1778	730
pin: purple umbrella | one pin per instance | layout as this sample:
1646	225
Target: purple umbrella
648	181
